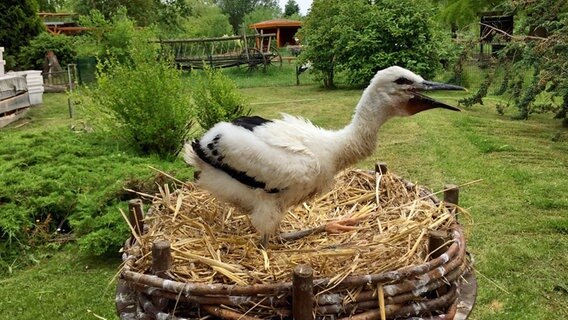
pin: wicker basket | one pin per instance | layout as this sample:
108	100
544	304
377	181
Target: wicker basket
442	288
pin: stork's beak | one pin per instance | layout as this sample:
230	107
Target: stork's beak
420	102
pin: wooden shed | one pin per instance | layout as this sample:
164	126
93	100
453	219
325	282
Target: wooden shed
62	23
284	29
495	30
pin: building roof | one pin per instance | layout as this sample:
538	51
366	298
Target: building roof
276	23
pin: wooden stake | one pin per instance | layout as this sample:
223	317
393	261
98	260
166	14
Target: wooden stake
136	215
161	258
451	194
382	302
437	243
302	292
161	262
381	168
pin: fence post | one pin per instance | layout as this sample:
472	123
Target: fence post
136	215
381	168
451	194
302	292
161	258
69	100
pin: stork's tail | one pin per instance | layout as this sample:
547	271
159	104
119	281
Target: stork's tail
189	155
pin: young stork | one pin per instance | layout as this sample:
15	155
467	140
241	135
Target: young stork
267	166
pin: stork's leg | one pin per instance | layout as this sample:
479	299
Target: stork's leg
264	241
265	218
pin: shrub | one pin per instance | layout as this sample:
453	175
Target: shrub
216	99
144	102
33	55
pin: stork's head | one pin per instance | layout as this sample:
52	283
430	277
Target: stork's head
403	90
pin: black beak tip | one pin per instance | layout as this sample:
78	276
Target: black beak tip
455	109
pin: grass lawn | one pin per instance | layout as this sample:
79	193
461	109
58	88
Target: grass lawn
518	231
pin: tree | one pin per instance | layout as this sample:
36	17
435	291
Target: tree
142	11
206	21
291	8
535	60
170	16
19	23
237	9
50	5
320	32
460	13
258	15
360	37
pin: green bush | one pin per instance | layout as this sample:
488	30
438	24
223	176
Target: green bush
144	102
216	99
33	55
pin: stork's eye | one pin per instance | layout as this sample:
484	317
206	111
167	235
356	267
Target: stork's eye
403	80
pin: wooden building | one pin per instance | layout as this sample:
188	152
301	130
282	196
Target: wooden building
284	29
495	31
62	23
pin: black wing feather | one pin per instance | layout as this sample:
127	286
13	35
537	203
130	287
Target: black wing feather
250	123
218	163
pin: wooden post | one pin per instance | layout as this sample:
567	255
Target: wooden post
381	168
161	258
451	194
69	101
302	292
161	262
437	243
136	215
438	240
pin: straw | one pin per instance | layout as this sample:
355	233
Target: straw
389	235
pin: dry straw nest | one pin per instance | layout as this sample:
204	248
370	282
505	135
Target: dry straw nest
404	258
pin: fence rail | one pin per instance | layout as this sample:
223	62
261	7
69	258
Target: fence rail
61	80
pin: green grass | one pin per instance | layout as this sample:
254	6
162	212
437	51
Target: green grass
67	285
274	75
518	233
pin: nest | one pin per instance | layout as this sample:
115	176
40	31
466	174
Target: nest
403	256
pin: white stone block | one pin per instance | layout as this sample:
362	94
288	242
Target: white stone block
2	62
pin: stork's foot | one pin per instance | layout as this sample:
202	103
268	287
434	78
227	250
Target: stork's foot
343	225
336	226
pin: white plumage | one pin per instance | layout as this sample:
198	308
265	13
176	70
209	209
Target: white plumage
267	166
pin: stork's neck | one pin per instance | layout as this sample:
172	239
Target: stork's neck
358	140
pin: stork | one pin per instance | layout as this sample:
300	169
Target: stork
265	167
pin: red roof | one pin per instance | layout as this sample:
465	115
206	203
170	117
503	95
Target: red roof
276	23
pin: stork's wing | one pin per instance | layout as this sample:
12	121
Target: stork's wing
258	158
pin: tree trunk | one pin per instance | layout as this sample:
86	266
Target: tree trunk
328	80
564	110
